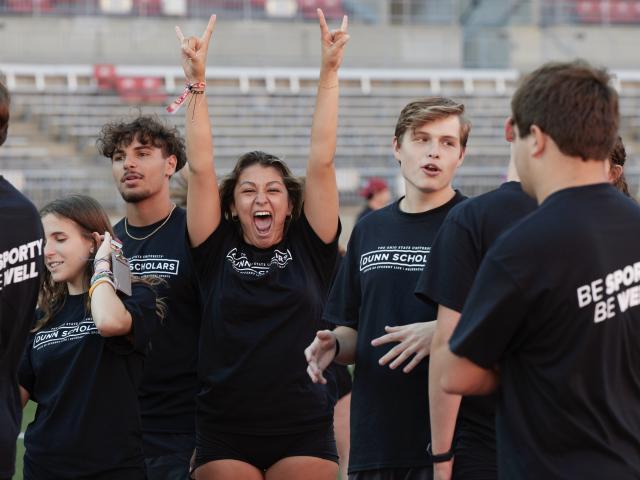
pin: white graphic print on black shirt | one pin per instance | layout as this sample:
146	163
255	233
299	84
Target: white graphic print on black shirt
86	388
21	265
263	307
568	356
374	288
169	383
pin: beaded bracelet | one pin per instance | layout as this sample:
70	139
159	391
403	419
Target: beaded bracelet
98	261
104	274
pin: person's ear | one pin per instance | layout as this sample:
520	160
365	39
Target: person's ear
538	141
509	134
396	149
170	167
615	172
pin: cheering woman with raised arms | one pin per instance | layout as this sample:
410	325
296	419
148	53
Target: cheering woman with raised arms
265	248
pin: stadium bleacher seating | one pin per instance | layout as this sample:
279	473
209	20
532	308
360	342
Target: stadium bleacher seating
61	112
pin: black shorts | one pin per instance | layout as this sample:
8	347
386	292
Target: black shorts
262	451
405	473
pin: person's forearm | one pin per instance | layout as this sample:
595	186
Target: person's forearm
348	339
108	312
443	407
324	126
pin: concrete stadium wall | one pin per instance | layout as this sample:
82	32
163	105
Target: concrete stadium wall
152	41
611	47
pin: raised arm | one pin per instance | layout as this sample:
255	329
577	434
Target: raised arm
109	314
321	190
203	199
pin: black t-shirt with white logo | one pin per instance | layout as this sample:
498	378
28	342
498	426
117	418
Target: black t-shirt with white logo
86	386
556	306
169	383
461	244
262	309
374	287
21	246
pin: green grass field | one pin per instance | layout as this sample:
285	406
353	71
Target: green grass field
27	416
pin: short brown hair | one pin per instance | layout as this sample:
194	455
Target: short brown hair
574	104
5	102
148	130
426	110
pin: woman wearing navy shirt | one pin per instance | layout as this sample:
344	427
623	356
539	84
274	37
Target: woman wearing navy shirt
265	248
84	358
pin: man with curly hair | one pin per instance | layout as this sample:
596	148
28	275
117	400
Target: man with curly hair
144	154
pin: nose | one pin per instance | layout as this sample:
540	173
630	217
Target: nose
48	249
128	162
261	197
434	150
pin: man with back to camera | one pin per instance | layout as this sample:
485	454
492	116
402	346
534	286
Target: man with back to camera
144	155
462	241
21	267
374	288
553	316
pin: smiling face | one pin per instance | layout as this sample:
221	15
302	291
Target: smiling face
429	155
141	171
261	203
66	252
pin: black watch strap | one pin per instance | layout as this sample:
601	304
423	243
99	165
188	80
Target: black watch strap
440	457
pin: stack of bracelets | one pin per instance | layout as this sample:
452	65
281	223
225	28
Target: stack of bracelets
105	276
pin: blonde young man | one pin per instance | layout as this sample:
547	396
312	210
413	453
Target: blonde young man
374	289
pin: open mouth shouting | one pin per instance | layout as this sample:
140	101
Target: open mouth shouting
263	220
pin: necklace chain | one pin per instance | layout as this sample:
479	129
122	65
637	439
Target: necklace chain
154	231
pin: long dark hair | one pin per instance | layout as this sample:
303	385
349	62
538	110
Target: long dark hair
90	217
293	184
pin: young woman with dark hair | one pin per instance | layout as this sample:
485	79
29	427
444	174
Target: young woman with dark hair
85	355
265	249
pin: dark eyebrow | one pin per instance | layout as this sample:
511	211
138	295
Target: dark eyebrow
248	182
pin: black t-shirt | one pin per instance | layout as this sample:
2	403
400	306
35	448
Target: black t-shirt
461	244
169	383
556	306
86	386
374	287
21	266
262	309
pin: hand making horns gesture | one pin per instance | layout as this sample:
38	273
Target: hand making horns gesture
333	42
194	52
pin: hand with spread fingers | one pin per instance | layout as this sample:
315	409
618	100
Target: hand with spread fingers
333	42
194	52
320	354
414	339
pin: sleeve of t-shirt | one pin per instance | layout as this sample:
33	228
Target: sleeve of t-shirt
141	305
452	266
205	255
323	255
343	304
491	318
26	376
